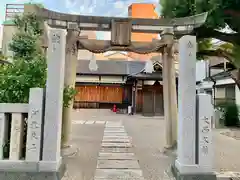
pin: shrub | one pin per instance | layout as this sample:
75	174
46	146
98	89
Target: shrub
231	118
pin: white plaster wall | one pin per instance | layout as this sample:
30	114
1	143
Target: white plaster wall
237	95
201	70
112	79
87	79
104	79
7	34
216	71
209	84
220	92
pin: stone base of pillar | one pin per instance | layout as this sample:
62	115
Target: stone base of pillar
27	172
68	151
192	175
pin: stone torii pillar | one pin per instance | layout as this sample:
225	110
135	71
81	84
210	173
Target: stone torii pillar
169	89
69	80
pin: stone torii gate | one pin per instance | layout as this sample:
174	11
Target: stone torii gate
64	42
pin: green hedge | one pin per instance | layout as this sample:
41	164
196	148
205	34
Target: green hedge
230	114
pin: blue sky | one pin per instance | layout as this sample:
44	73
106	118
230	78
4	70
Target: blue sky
85	7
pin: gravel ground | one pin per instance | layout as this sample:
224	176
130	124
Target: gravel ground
234	133
226	152
148	138
87	140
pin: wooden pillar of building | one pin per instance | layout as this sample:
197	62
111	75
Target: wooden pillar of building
134	97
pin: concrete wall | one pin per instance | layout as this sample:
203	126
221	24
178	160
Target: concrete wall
142	10
220	92
201	70
8	32
226	93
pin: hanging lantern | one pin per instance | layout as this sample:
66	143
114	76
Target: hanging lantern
93	64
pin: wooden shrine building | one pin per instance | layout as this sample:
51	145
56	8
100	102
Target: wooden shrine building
122	83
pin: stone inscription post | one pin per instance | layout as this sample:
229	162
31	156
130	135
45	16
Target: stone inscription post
205	114
186	102
194	151
34	128
54	95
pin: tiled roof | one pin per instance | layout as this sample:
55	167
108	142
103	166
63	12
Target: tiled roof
113	67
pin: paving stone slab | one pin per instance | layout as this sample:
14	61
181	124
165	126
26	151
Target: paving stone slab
114	127
116	137
116	156
116	141
117	164
115	134
100	122
115	131
89	122
117	150
116	145
113	124
118	174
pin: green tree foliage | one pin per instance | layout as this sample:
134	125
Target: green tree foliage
29	66
221	14
68	94
18	78
231	118
25	43
230	112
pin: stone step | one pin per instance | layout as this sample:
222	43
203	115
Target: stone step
117	164
118	174
116	156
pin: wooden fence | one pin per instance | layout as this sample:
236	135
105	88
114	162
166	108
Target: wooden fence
99	94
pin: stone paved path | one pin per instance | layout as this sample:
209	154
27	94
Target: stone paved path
116	159
145	134
89	122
